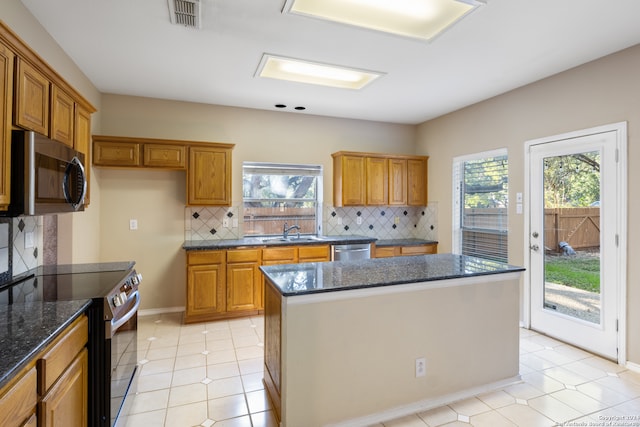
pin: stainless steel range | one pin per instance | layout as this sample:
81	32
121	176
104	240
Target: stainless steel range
113	289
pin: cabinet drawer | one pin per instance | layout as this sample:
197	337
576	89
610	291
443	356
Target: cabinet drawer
315	252
418	250
385	252
243	255
53	363
279	254
205	257
165	156
19	401
116	154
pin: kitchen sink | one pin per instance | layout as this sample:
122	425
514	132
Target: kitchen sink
294	239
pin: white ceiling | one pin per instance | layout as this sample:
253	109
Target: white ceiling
130	47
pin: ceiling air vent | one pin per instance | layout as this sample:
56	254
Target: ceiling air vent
185	12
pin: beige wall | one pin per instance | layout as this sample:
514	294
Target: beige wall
602	92
156	198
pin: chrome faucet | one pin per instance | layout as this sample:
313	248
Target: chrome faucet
286	230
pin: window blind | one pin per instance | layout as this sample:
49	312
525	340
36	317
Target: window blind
481	205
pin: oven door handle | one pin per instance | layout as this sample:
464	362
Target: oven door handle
113	325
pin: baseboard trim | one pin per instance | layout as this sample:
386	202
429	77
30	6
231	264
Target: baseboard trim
427	404
633	367
156	311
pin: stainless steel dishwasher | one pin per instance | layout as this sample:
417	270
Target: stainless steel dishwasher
350	252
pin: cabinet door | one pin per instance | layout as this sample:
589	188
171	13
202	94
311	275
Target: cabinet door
377	179
119	154
419	249
417	182
349	181
205	290
243	287
65	405
209	177
62	116
82	142
18	402
32	99
164	156
6	102
314	253
397	182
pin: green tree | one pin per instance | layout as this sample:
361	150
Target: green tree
572	180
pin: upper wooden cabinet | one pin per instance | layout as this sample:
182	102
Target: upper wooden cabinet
348	180
209	176
125	152
6	102
377	181
62	116
374	179
417	182
35	97
32	98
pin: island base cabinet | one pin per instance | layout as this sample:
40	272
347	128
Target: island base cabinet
332	359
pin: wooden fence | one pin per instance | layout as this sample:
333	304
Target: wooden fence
579	227
269	221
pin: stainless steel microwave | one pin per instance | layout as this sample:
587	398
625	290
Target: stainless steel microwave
47	177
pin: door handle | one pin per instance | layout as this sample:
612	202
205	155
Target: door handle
535	247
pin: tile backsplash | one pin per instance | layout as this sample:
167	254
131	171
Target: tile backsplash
27	231
206	223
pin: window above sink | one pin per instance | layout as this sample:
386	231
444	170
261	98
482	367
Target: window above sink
275	193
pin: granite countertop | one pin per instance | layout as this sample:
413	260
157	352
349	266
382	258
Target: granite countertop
26	329
274	241
404	242
303	279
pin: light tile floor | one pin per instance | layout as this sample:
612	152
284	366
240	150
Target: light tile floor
210	374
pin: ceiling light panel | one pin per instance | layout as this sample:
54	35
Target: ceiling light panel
297	70
423	19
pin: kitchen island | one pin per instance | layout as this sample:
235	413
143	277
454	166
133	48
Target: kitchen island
345	341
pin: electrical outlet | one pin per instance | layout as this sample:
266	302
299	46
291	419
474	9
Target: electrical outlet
396	220
225	223
133	224
339	220
359	220
29	241
421	367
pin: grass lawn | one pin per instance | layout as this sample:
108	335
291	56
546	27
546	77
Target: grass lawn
582	272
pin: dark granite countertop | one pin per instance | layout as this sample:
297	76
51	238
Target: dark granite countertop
403	242
26	329
303	279
274	241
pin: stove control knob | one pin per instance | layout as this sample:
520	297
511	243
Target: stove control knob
117	300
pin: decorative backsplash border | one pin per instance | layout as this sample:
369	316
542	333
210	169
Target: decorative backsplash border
206	223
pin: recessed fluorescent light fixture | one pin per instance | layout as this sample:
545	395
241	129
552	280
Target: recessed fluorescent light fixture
297	70
422	19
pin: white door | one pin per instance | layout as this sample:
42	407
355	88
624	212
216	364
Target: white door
575	231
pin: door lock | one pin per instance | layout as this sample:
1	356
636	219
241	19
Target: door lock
535	234
535	247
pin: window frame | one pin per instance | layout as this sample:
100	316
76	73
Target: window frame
286	169
458	228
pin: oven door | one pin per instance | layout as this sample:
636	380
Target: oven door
122	333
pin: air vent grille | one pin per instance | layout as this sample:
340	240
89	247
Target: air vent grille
185	12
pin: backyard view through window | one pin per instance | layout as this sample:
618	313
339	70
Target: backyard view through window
480	205
572	235
277	193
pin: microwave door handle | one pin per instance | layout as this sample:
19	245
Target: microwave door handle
75	163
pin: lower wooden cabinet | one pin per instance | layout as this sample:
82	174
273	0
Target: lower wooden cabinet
228	283
392	251
52	389
206	284
244	280
66	404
